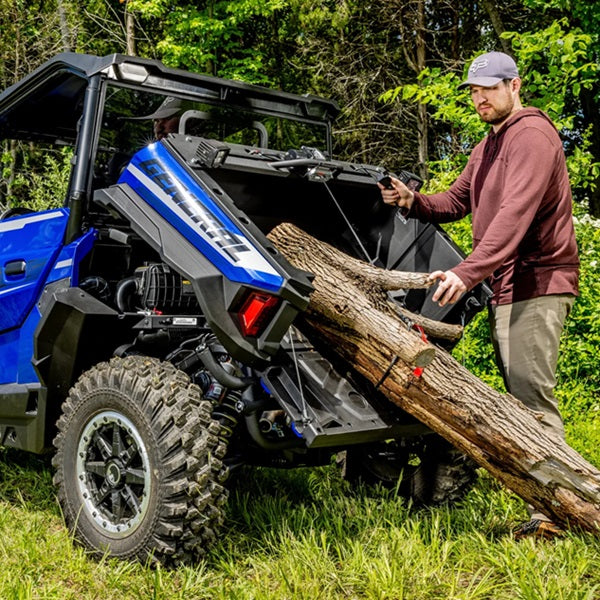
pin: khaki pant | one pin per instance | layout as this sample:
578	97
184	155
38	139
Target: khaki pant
526	337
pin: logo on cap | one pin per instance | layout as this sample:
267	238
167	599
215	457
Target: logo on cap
479	64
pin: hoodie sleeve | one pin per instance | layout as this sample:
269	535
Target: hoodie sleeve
448	206
531	158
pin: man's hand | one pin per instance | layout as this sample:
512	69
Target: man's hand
450	288
399	195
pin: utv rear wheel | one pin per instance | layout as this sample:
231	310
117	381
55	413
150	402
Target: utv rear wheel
429	471
138	462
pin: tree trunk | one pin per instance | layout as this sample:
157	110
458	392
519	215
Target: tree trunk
415	52
130	32
494	14
350	312
423	124
591	118
65	36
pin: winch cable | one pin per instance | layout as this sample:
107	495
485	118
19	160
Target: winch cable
364	250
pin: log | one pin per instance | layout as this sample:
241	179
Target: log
350	312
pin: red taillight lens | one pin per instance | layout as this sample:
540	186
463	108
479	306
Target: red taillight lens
256	312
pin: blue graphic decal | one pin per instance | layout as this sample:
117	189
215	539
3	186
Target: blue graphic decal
166	186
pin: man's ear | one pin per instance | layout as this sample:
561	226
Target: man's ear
515	84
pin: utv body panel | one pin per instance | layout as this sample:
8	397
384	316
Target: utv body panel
159	245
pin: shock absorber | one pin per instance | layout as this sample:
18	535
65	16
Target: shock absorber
227	402
227	412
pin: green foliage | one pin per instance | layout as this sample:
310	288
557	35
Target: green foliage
438	91
554	63
583	12
149	8
586	313
30	35
324	16
42	181
583	168
232	39
578	375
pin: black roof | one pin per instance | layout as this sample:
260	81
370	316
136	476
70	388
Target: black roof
46	102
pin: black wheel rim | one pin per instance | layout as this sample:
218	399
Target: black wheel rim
113	473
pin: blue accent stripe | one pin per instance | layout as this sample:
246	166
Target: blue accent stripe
156	176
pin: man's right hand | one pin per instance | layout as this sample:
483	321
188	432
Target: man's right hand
399	195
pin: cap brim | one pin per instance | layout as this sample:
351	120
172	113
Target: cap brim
481	81
161	113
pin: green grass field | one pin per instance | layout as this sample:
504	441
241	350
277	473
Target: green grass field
302	535
306	535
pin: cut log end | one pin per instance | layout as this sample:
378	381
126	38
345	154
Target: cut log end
425	357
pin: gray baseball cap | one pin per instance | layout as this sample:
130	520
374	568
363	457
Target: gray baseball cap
490	69
170	107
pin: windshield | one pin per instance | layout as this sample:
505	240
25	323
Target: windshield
131	116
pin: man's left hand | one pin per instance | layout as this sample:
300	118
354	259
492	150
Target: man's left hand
450	288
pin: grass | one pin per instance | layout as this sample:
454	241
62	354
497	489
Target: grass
302	535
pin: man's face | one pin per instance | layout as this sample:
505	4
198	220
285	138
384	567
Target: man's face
495	104
163	126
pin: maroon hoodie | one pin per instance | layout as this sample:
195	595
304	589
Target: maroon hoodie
517	187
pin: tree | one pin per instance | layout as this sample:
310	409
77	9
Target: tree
108	26
350	317
238	39
584	17
349	51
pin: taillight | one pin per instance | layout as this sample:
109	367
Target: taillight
256	311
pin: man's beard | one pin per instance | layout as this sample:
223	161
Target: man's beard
498	116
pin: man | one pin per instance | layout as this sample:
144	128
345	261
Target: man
165	119
516	186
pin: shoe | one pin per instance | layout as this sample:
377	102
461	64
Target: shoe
536	528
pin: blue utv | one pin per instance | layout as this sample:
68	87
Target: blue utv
147	324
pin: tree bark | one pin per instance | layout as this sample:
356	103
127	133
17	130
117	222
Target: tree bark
130	31
350	312
591	118
64	27
494	14
414	48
